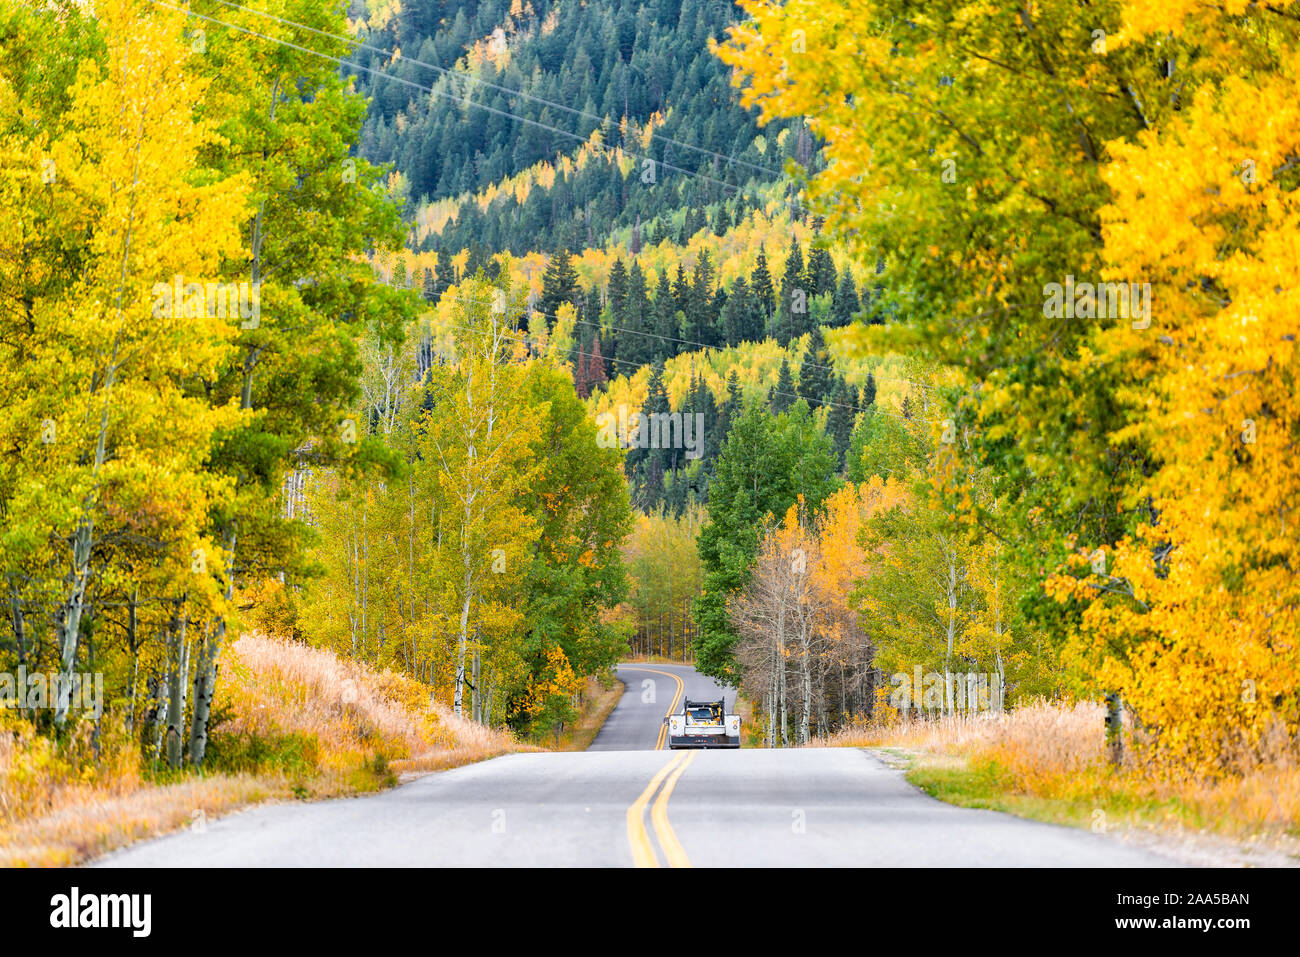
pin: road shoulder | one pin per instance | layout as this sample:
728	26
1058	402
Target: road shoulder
955	780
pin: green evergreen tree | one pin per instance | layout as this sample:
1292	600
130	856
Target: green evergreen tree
815	375
821	275
761	285
667	331
736	313
721	222
839	420
634	346
783	393
869	391
700	320
444	274
845	305
559	282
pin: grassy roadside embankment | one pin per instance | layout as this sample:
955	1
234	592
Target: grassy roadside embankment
1047	762
289	721
599	697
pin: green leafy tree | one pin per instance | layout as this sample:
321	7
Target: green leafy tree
766	465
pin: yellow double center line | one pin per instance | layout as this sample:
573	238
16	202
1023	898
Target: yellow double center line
672	708
643	854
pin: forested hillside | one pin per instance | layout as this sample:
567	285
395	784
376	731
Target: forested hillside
499	93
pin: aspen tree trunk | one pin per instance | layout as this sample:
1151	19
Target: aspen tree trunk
204	679
158	705
995	694
68	618
806	676
364	570
18	620
178	661
952	632
1114	728
785	729
69	621
476	701
132	640
354	613
410	553
458	699
780	663
995	703
205	674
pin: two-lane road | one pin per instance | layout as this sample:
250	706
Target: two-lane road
628	801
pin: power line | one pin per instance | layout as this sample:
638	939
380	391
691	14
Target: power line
470	104
461	100
457	77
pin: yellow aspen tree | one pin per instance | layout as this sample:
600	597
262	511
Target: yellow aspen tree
118	351
1196	615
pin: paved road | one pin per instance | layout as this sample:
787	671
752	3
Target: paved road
625	803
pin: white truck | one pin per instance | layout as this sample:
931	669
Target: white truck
703	724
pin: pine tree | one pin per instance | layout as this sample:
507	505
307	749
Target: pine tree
700	321
846	305
821	272
617	293
783	394
444	274
721	222
681	289
665	313
839	420
794	315
731	406
735	315
815	377
596	374
581	369
761	285
793	274
559	282
703	403
635	347
869	392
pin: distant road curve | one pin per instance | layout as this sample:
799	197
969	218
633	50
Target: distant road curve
653	691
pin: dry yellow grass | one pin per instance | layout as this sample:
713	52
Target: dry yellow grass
1048	760
281	687
349	728
594	705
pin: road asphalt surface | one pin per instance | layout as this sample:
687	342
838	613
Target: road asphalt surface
628	801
